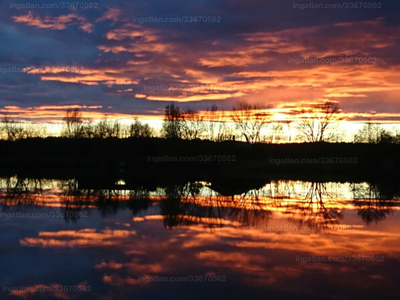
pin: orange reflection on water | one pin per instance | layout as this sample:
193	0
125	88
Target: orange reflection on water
81	238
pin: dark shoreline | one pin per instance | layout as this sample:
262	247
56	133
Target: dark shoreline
204	160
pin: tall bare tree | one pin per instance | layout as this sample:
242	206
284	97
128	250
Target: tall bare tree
250	120
12	130
193	125
225	132
73	124
138	130
277	133
212	121
316	123
107	129
173	120
216	129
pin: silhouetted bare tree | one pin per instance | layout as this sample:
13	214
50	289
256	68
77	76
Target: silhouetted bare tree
212	121
374	134
316	122
73	124
138	130
107	129
250	120
277	133
12	131
225	132
173	120
193	125
88	129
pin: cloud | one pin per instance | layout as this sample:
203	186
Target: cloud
262	59
113	14
81	238
54	23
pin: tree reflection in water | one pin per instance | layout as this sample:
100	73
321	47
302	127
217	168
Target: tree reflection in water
185	205
20	191
108	201
73	200
374	201
313	204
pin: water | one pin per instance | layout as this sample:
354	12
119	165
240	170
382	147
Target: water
70	239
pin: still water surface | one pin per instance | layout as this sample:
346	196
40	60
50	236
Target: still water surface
62	239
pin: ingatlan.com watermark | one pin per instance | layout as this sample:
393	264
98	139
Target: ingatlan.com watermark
347	258
199	87
289	228
43	215
55	5
49	289
334	60
42	70
342	5
319	160
190	278
183	19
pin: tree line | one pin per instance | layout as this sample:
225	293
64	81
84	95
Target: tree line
13	130
252	123
75	126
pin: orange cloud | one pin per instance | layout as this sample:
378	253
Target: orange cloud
82	238
57	113
113	14
209	96
54	23
84	76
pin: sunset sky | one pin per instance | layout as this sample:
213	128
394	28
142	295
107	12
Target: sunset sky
115	59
